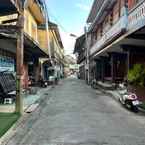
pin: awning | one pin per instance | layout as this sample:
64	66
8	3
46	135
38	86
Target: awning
32	47
124	40
8	42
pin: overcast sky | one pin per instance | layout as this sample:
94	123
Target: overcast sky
70	15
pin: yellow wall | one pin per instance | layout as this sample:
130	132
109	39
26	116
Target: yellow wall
43	41
39	35
30	26
55	46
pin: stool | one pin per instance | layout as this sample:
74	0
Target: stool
8	101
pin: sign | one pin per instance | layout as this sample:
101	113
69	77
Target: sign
137	17
7	64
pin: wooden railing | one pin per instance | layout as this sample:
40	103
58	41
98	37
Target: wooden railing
112	32
136	17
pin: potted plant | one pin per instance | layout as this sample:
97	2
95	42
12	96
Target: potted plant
136	80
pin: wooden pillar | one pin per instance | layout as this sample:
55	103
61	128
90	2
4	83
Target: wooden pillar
19	63
97	69
113	67
36	69
102	69
128	61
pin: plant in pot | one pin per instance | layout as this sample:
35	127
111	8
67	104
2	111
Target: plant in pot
136	80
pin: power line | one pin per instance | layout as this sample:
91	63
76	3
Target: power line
56	20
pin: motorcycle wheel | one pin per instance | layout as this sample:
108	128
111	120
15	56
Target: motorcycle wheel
135	109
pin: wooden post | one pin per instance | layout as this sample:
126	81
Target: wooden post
19	63
102	69
112	68
128	60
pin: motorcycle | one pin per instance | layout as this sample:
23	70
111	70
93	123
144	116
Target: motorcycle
94	84
129	99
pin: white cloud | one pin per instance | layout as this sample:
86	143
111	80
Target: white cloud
83	6
69	41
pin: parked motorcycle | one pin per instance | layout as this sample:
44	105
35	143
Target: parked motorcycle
130	100
94	84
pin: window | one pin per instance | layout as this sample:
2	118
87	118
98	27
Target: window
116	12
133	3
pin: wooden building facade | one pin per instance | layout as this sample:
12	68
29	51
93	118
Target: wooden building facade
115	36
43	46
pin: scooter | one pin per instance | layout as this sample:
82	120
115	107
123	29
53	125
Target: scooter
129	99
94	84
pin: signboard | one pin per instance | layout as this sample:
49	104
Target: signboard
137	17
7	64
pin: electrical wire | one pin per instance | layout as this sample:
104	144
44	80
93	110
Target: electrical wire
56	20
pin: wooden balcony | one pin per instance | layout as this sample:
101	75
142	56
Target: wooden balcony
113	32
137	17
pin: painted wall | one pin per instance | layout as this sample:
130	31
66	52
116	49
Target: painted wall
43	39
56	49
30	26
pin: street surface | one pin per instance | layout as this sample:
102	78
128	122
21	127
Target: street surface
74	114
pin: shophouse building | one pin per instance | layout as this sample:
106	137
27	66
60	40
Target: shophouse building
116	36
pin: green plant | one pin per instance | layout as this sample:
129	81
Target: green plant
136	76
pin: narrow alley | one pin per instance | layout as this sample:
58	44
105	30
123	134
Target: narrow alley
74	114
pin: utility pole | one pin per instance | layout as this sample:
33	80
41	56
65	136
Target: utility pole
19	59
87	54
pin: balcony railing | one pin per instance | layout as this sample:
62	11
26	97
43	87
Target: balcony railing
137	17
115	30
131	21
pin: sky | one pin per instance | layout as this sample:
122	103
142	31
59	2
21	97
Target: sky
71	16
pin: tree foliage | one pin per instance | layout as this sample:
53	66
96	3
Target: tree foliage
136	76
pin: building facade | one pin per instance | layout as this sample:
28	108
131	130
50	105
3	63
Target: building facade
80	51
56	50
116	38
38	54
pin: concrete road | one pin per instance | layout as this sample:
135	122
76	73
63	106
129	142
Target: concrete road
74	114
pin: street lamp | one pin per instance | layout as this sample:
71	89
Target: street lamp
73	35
